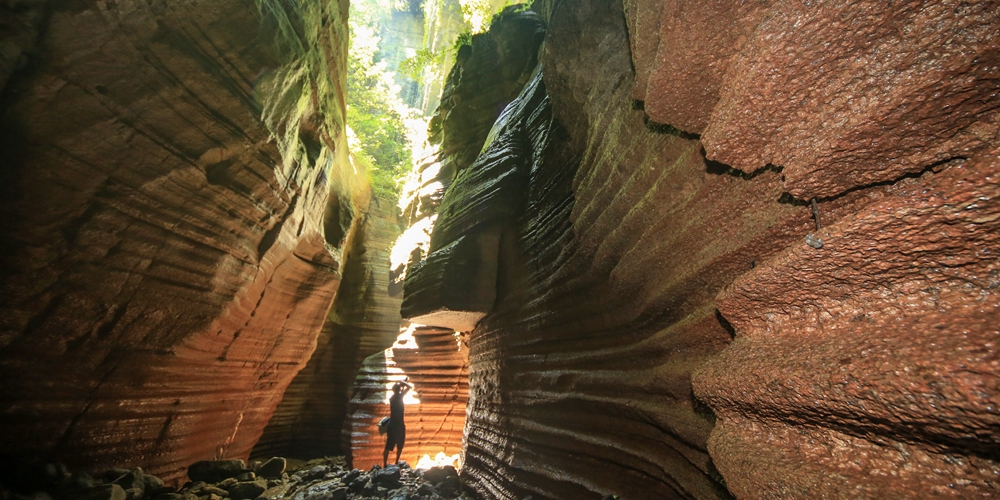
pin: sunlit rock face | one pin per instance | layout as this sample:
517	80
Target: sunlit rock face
863	364
869	367
175	199
364	320
486	77
422	193
454	286
840	94
436	363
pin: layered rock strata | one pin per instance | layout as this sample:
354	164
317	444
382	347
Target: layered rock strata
422	193
889	88
455	285
609	272
488	75
868	367
436	362
175	193
363	320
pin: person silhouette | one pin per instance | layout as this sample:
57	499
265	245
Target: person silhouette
396	435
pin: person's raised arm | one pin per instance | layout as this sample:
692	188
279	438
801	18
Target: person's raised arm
405	386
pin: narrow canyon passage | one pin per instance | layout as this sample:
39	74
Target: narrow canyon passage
633	249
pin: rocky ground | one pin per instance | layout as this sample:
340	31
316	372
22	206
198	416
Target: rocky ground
320	479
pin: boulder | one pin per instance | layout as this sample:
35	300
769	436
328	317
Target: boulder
436	475
273	468
213	490
315	473
103	492
133	479
213	471
387	478
349	477
324	490
151	482
246	490
449	487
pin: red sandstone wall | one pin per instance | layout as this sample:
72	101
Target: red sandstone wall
363	320
165	268
437	364
662	328
869	365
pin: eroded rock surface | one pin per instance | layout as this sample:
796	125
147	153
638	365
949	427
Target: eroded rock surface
870	365
487	75
437	364
841	94
167	168
455	285
363	320
608	285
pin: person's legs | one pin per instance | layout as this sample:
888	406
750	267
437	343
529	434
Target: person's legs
400	441
390	443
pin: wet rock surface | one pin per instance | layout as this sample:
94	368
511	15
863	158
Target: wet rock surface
487	75
673	317
320	479
455	285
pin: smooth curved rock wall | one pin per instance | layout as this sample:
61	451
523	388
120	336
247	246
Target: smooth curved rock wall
454	285
636	261
167	169
436	362
363	320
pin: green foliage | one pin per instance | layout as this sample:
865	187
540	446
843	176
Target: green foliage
480	14
374	110
463	38
413	67
477	11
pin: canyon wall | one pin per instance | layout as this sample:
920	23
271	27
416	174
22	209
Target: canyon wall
732	250
363	321
435	362
704	250
176	199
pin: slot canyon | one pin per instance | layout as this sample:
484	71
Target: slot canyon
654	249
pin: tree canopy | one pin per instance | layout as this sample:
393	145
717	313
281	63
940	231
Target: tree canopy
374	110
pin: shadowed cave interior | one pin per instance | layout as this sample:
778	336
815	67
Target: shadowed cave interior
640	249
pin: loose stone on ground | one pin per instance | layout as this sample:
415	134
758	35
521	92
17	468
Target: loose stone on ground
320	479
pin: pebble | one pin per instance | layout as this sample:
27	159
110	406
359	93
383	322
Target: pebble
814	241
